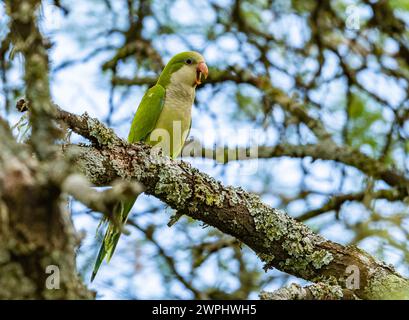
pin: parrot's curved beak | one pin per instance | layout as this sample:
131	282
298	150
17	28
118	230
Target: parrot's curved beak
201	69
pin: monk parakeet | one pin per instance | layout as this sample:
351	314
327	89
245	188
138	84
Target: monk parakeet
163	116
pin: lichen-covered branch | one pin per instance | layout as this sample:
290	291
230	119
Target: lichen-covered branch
317	291
27	39
37	239
79	187
278	239
35	230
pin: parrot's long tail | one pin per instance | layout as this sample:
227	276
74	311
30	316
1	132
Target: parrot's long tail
112	234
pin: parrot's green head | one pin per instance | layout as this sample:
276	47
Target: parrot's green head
186	68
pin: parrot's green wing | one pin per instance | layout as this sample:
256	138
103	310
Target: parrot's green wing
143	124
147	114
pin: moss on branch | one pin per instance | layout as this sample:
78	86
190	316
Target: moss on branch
279	240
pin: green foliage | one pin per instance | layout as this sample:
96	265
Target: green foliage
399	4
302	6
251	12
363	117
249	105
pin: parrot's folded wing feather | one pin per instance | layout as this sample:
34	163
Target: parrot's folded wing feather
147	114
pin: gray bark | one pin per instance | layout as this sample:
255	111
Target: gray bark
279	240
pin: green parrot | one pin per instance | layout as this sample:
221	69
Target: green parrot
163	118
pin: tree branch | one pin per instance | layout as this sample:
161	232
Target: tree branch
27	39
35	233
325	150
279	240
80	188
318	291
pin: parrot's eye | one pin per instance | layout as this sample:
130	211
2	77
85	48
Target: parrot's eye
188	61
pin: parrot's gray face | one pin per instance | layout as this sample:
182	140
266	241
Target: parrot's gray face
191	73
